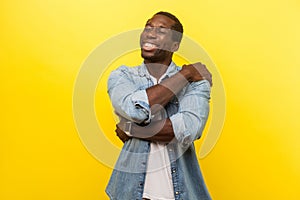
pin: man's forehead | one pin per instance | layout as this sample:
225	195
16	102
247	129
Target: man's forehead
161	20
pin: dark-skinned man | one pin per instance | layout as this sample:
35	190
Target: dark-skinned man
163	109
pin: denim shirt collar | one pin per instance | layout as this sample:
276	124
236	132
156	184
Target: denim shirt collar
143	71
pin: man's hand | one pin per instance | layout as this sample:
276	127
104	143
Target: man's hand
157	131
121	134
196	72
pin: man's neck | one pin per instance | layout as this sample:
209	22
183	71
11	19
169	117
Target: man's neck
157	69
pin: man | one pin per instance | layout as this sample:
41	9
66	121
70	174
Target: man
162	108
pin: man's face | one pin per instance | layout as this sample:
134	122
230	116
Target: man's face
156	39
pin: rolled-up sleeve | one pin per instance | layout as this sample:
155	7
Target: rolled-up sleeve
127	99
189	122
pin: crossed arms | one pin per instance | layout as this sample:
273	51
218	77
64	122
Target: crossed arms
182	125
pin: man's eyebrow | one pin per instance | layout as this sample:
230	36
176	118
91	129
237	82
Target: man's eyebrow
161	26
164	27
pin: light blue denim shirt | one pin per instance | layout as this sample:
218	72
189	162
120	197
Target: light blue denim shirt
188	112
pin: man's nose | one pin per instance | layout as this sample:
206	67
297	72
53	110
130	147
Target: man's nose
152	33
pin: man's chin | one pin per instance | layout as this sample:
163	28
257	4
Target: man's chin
148	56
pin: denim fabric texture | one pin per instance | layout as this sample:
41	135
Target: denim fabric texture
188	112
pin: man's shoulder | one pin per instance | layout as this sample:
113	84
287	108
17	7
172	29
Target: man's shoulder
127	69
202	86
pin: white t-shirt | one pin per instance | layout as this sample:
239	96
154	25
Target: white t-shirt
158	182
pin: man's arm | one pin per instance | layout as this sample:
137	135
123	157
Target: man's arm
132	103
158	131
159	95
187	125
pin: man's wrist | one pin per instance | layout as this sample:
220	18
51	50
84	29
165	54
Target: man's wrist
186	74
127	128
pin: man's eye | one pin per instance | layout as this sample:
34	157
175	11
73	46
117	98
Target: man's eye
147	28
158	30
162	30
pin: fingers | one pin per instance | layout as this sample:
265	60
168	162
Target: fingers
121	134
207	77
203	72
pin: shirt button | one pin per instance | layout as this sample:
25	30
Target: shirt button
174	171
176	192
170	150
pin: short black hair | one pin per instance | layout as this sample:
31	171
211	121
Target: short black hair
177	27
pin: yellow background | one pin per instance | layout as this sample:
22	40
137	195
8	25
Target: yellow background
255	45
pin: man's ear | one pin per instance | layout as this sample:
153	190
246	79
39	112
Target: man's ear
175	46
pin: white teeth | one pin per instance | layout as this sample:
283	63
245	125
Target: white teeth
149	45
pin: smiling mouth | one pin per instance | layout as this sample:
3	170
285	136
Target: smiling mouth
149	46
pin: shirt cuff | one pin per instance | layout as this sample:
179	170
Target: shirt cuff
180	131
140	101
